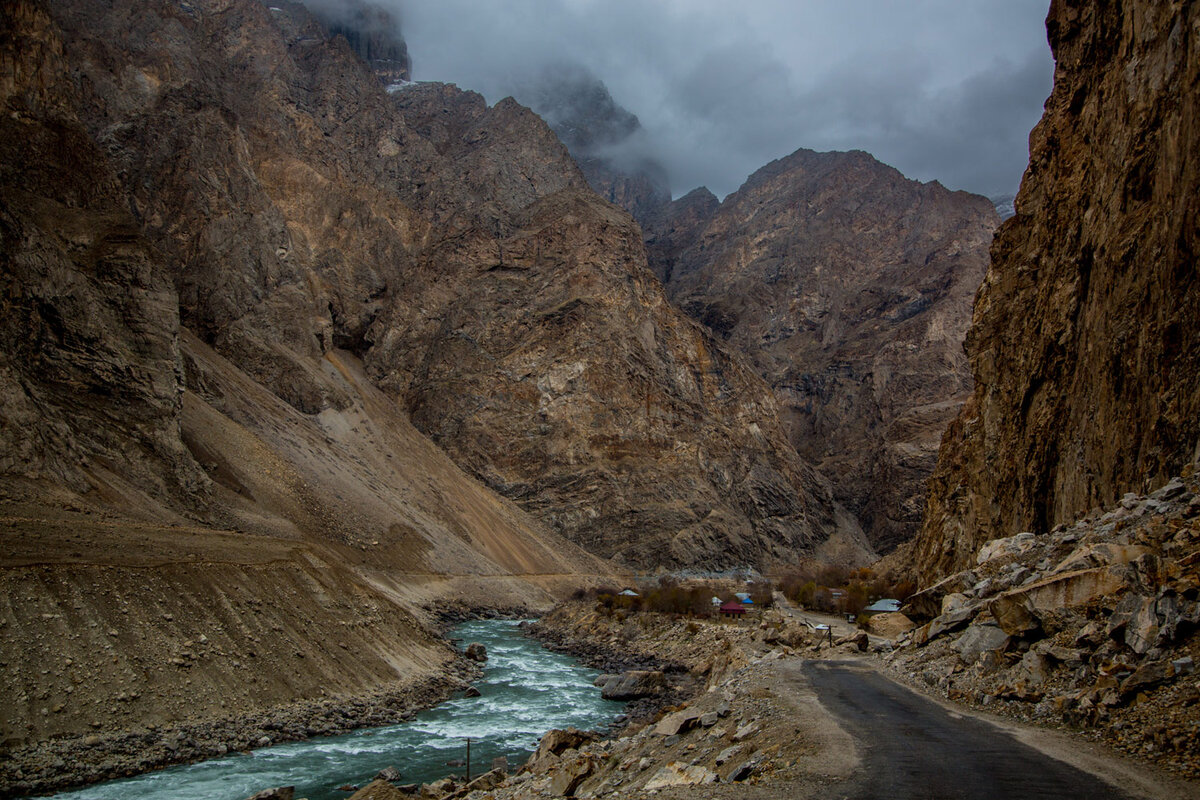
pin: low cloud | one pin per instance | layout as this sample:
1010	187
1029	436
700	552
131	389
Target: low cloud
939	89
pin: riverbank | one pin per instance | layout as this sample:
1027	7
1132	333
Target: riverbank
762	722
81	760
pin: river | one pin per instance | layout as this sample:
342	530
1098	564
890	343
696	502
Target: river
526	690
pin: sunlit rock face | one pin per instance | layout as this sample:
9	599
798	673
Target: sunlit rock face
849	288
1084	340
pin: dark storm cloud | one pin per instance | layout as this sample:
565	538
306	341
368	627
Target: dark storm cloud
940	89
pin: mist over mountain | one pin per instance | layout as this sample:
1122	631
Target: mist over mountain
938	89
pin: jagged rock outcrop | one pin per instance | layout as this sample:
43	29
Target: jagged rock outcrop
849	289
606	139
1086	333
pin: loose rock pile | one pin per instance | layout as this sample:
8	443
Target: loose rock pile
1093	625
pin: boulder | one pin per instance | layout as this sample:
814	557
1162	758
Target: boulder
476	652
980	639
1065	655
389	774
727	754
1101	554
742	771
890	624
439	789
679	722
955	620
1147	676
859	641
745	732
557	741
1141	632
1036	668
1008	546
927	603
278	793
485	782
677	774
633	684
569	775
954	602
1016	610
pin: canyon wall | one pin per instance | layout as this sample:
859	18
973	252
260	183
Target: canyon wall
1085	337
849	288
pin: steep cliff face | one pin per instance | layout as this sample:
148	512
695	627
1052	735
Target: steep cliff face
89	367
849	289
1084	343
373	34
549	362
675	228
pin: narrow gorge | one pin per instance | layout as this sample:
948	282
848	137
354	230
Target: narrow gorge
305	358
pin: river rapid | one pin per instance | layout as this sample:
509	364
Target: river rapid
525	691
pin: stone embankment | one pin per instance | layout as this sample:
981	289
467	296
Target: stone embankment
1092	626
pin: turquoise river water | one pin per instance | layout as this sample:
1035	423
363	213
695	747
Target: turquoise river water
526	690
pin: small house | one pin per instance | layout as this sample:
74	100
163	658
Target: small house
732	609
885	606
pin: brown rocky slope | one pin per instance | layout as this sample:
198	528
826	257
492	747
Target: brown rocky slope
453	248
219	235
849	289
1084	340
181	545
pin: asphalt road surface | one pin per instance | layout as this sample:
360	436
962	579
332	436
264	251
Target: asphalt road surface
914	749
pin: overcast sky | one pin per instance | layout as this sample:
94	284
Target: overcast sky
941	89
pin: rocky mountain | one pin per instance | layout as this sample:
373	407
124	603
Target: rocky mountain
372	32
849	289
1084	340
236	271
606	139
206	504
298	235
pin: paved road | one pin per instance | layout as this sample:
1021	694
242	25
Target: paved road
914	749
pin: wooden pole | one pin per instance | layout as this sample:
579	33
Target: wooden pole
468	759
